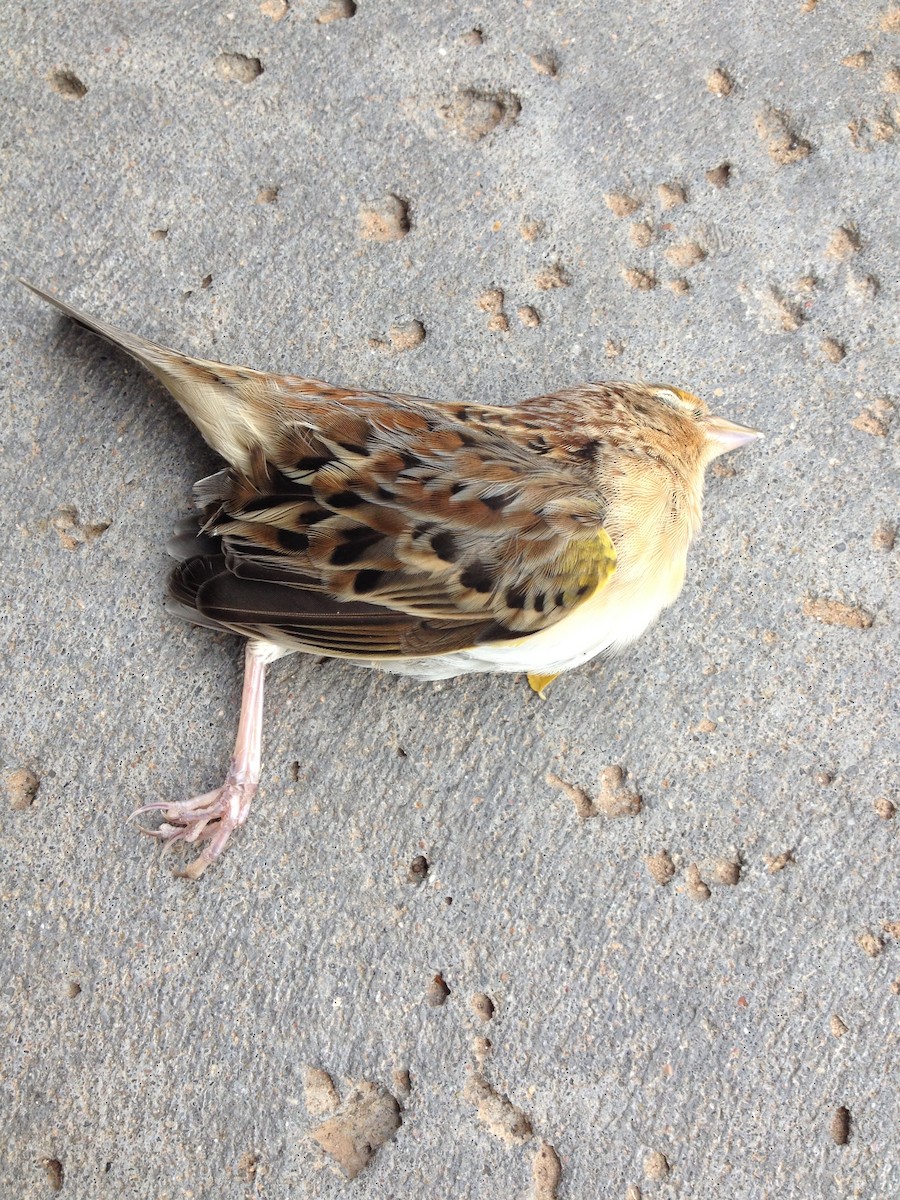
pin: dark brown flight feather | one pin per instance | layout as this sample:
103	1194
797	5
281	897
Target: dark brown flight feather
369	529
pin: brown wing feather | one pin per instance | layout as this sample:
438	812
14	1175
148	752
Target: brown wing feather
455	522
387	526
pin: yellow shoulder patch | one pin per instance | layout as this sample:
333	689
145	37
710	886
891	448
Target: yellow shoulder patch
586	566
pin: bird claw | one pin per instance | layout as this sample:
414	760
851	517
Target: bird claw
210	818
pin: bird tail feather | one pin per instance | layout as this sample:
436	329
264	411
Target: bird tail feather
145	351
210	393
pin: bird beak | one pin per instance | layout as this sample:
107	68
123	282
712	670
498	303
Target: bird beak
727	435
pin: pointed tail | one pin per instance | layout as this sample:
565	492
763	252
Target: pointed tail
210	393
149	353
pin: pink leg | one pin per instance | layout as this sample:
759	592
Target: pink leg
213	816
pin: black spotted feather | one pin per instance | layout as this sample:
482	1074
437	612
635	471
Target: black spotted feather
388	526
375	526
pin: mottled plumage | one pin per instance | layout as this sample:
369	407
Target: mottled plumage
423	537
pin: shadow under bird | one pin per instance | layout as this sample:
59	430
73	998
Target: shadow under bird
420	537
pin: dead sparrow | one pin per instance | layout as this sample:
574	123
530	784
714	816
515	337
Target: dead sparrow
420	537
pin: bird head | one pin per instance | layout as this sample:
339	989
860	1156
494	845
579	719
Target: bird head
659	441
694	427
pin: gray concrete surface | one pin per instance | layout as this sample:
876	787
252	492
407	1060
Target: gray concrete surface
159	1035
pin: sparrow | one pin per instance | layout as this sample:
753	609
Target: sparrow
421	537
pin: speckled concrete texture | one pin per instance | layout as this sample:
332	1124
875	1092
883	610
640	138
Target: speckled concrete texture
453	953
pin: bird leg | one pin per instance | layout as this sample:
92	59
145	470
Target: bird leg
213	816
538	683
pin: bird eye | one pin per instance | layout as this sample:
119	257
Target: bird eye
668	396
683	401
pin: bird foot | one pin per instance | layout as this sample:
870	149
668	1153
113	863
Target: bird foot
538	683
210	818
